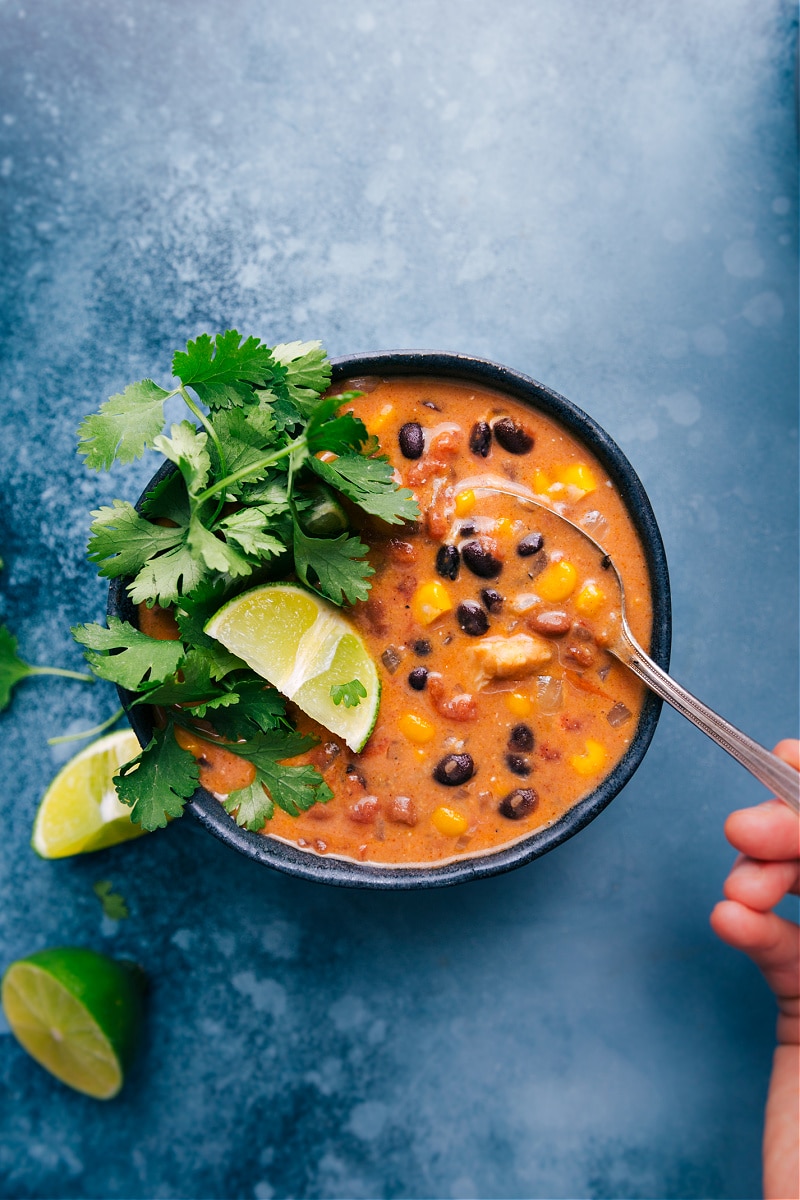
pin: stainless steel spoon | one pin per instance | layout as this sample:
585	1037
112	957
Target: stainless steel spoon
781	779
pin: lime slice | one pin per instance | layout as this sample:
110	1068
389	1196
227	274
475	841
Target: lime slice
80	810
78	1014
304	646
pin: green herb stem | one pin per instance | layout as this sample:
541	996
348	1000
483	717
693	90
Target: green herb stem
251	469
60	671
85	733
212	433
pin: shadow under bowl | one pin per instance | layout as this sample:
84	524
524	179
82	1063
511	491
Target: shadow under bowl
346	873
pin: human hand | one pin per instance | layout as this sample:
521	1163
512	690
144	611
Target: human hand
768	867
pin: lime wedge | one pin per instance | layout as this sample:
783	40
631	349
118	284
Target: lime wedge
304	647
80	810
78	1014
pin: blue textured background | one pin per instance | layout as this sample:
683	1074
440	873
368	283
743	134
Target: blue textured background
602	196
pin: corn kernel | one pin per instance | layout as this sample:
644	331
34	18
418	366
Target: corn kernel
376	423
429	601
541	481
578	475
504	526
465	502
449	820
592	761
416	729
557	581
519	704
589	600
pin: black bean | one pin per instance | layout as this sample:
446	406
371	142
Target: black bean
472	619
512	437
418	678
518	764
480	439
448	560
492	599
351	773
412	443
467	529
517	804
521	737
454	769
530	544
480	560
422	647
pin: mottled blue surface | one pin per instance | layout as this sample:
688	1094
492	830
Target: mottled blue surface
602	196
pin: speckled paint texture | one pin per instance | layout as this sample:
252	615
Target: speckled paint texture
601	196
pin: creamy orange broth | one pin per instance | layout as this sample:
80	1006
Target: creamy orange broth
541	732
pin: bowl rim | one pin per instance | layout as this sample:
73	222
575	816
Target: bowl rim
295	861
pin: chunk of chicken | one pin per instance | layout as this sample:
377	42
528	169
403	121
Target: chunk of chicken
511	657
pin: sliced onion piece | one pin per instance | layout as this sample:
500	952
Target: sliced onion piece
549	693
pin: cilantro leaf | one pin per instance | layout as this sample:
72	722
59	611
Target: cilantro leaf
245	433
251	805
122	541
335	567
13	668
369	483
124	426
223	371
260	707
168	500
187	449
191	685
137	658
168	576
339	434
351	693
114	906
294	789
248	529
158	782
216	554
308	371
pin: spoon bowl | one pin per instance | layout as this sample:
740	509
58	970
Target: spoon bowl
778	776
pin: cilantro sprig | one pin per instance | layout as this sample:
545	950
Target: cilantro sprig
14	669
263	447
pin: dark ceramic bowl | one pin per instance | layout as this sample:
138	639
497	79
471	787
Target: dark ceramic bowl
294	861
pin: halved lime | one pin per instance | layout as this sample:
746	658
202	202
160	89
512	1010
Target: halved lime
78	1014
80	810
305	647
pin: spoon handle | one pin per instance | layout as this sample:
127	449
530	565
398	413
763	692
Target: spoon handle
770	770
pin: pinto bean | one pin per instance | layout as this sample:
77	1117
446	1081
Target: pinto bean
582	654
402	552
550	623
460	707
402	810
365	810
